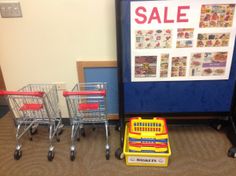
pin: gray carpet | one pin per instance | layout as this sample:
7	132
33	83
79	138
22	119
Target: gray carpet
198	150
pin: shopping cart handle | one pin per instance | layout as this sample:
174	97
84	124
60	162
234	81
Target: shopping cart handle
35	94
1	92
95	92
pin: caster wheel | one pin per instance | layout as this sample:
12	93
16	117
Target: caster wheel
83	132
232	152
72	155
78	139
58	139
119	154
50	155
17	154
107	154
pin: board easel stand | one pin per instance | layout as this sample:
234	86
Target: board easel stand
229	117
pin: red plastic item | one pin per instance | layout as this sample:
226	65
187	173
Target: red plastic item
97	92
36	94
147	145
88	106
32	107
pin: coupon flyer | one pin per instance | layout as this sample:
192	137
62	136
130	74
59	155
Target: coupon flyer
182	40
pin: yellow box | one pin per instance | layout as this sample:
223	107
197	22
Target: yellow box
144	159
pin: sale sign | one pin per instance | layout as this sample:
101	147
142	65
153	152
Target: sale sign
182	40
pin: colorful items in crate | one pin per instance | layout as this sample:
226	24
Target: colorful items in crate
148	135
146	142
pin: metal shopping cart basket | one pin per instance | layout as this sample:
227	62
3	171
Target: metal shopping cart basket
87	105
33	105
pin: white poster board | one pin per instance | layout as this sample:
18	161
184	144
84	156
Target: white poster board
182	40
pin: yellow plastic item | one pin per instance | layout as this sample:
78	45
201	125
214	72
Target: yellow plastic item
144	159
147	149
150	129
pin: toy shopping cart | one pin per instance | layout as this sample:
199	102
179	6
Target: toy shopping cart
33	105
87	105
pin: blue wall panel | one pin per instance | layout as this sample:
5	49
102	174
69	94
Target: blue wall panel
108	75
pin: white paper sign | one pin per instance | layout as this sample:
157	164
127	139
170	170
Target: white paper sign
182	40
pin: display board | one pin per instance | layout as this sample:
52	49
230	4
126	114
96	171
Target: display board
182	40
108	75
177	56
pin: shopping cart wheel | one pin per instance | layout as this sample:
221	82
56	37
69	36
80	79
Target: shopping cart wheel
72	155
17	154
107	154
232	152
50	155
119	154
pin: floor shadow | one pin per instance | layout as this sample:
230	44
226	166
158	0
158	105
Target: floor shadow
3	110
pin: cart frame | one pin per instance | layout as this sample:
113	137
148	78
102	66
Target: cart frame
34	105
86	104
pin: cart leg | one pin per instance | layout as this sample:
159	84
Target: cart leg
30	135
73	136
82	130
50	135
51	152
18	152
107	141
17	135
58	129
73	148
77	133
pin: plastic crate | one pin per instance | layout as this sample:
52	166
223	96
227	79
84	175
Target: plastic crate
142	158
148	147
148	130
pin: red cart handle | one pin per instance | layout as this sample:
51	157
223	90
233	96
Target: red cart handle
35	94
98	92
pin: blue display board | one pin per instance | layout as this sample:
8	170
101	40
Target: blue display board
108	75
213	96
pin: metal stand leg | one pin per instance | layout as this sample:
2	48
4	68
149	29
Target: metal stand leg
232	137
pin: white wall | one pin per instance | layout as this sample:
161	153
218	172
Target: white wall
44	45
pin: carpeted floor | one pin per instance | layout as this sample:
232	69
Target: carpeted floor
198	150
